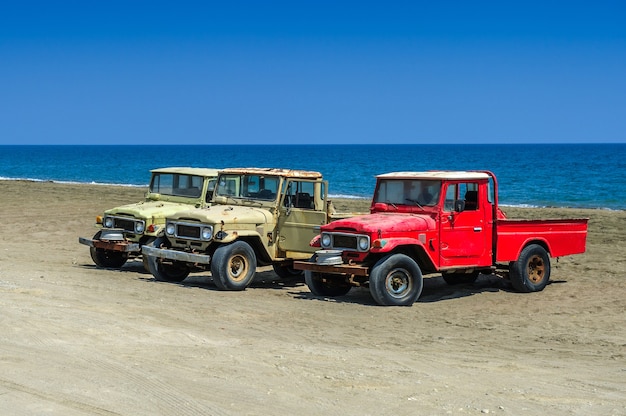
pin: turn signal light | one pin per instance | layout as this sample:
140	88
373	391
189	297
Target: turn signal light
99	219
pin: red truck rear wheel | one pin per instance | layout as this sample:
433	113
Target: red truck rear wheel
396	280
531	272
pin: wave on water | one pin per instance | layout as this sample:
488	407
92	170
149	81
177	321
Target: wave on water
343	196
127	185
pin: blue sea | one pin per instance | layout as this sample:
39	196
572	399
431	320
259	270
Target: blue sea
537	175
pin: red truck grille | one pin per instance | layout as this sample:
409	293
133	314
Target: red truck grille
342	241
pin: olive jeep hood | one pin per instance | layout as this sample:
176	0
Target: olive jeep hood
385	222
149	209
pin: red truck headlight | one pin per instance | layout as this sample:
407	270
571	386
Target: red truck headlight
326	240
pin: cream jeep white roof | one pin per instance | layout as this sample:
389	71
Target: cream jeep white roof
290	173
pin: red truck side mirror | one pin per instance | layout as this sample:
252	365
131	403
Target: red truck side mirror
459	205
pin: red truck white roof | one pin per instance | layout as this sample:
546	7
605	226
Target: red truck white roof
437	175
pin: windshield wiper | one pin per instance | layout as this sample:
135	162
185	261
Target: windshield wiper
416	203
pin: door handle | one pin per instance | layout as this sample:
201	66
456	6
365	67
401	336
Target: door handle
478	229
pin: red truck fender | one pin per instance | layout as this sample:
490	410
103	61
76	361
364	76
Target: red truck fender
418	250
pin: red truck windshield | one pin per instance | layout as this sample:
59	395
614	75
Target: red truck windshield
408	192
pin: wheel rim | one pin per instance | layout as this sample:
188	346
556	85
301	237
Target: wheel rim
237	268
536	269
398	283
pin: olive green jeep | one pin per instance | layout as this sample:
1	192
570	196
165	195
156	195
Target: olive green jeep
126	228
258	217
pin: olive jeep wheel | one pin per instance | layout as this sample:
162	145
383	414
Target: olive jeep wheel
165	272
286	272
455	278
396	280
106	258
531	272
233	266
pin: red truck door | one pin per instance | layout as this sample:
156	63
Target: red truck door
466	237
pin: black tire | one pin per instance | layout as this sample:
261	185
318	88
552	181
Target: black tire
396	280
106	258
166	272
454	278
286	272
531	272
324	284
233	266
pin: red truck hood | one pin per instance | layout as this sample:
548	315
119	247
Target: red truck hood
385	222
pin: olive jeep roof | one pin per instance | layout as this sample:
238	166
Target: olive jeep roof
437	175
188	171
291	173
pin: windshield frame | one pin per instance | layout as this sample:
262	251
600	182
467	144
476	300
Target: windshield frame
408	192
183	185
248	186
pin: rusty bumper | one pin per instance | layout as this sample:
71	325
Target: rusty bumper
176	255
123	246
351	269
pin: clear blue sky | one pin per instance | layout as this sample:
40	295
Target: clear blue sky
230	72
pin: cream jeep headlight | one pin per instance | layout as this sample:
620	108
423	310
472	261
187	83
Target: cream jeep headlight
140	227
207	233
326	240
170	228
108	222
364	243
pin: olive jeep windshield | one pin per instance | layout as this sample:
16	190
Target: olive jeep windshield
408	192
175	184
248	186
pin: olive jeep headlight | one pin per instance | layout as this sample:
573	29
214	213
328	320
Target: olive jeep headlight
207	233
140	227
170	228
108	222
364	243
326	240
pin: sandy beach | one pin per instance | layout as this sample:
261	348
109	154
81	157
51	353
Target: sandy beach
78	340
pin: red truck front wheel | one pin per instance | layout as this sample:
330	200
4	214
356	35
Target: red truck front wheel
396	280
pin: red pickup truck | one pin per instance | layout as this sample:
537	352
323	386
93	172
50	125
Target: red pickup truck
444	222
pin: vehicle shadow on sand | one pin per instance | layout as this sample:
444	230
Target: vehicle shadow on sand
435	290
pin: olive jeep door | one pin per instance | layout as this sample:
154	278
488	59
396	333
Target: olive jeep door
302	212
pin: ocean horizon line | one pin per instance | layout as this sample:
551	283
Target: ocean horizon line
313	144
339	196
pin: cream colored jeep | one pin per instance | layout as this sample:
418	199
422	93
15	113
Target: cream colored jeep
258	217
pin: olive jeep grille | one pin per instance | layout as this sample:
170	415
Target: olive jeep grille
188	231
126	225
342	241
